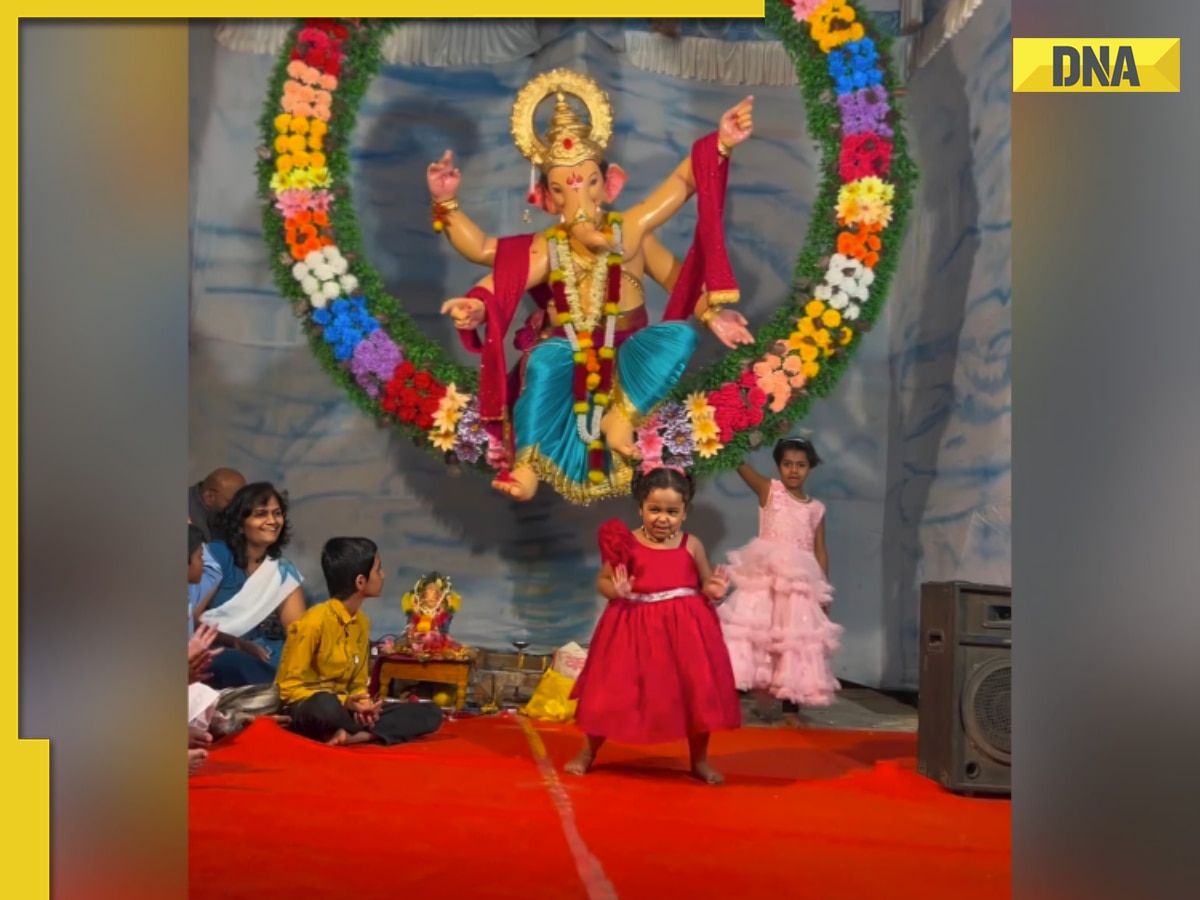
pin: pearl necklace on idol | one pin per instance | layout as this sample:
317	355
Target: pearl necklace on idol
594	365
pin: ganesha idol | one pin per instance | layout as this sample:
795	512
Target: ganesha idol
591	366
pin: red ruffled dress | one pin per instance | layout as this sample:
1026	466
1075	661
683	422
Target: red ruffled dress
657	669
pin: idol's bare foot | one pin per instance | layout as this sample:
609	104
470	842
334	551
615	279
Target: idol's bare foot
198	738
619	434
706	773
520	484
196	758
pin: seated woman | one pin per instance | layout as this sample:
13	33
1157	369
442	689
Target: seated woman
259	594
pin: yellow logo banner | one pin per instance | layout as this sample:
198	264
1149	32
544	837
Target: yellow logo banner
1095	65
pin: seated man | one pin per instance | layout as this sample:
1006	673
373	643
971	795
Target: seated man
322	674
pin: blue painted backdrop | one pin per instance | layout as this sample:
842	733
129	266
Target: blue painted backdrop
916	437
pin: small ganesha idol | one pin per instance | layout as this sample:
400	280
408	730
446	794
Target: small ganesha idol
430	607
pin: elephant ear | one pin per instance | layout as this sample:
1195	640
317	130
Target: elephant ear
540	197
614	182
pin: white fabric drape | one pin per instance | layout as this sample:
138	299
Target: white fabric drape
708	59
938	31
419	43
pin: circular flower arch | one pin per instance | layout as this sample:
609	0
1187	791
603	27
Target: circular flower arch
392	371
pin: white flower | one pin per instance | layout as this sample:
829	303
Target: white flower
299	271
846	279
318	301
331	252
331	290
851	312
349	284
339	265
314	259
310	285
324	271
840	261
824	292
837	300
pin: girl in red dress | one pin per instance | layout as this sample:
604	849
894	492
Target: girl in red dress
657	669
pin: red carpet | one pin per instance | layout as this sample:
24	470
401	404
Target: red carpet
815	814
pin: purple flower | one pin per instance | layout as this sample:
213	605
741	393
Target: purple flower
471	433
374	361
865	111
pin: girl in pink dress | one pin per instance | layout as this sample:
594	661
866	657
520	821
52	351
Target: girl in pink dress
657	669
776	622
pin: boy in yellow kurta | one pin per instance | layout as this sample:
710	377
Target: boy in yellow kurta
323	670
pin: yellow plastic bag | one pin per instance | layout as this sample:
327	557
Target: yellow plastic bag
551	701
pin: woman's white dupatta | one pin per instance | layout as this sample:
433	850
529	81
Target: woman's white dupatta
260	596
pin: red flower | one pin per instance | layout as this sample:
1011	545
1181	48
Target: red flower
748	379
406	414
864	155
424	421
404	371
428	405
422	381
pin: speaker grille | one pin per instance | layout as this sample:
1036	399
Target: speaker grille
987	709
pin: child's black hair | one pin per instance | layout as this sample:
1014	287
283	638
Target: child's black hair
342	560
804	445
195	540
663	479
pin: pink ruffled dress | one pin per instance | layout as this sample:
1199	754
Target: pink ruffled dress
775	625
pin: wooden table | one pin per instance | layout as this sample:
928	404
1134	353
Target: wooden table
437	671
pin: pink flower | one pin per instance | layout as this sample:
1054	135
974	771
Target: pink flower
802	9
291	88
304	111
297	69
291	202
328	82
321	201
650	443
319	112
776	386
768	365
793	367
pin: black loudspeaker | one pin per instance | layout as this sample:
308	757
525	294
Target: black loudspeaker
964	709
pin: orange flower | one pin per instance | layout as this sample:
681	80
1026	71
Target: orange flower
320	218
862	244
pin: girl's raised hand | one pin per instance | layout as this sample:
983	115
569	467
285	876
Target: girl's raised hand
622	582
717	584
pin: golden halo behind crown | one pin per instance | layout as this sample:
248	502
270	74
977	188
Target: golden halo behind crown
569	140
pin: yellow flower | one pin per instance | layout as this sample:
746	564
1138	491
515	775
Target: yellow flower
608	353
281	144
315	142
831	318
708	447
846	337
810	370
580	357
443	440
301	160
320	177
814	308
455	398
285	163
299	125
581	407
593	381
806	328
280	182
446	417
602	400
318	160
796	340
317	128
875	188
585	341
705	429
296	143
808	352
283	122
301	179
697	406
823	338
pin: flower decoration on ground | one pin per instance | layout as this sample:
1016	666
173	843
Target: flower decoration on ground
366	341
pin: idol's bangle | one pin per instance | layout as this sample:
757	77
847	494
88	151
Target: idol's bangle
708	315
723	150
445	206
717	299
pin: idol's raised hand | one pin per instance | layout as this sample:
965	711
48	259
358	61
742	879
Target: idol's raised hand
737	124
730	328
466	312
444	178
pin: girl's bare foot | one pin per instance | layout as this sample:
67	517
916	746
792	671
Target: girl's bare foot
706	773
581	763
198	738
196	758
